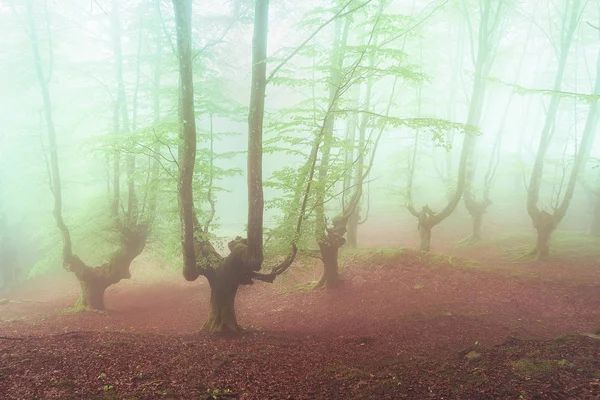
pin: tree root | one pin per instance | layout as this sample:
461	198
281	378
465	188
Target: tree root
78	308
533	255
325	284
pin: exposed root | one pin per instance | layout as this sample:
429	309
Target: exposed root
80	308
533	255
326	284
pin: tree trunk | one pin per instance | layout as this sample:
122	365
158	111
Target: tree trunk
221	317
255	134
545	225
91	296
542	245
595	227
477	222
425	237
330	277
352	234
187	144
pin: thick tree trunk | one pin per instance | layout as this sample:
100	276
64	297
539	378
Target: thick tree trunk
330	277
477	219
476	211
91	296
545	225
542	245
424	237
221	317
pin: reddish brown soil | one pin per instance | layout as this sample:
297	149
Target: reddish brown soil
396	328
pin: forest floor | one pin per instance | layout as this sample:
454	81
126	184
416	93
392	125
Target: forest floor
403	324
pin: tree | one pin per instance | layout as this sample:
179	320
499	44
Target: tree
545	222
492	18
132	233
224	275
241	266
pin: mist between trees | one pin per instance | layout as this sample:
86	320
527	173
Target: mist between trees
227	139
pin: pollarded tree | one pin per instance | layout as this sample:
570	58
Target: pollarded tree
224	275
357	65
132	228
241	266
545	222
438	130
492	21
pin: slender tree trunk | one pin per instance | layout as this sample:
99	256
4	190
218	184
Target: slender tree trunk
352	234
122	126
255	127
187	145
116	202
537	216
337	58
544	222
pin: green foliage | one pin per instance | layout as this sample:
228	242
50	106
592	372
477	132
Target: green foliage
92	233
522	90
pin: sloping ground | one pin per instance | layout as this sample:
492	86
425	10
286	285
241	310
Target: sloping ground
398	327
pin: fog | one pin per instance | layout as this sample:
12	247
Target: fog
433	45
411	176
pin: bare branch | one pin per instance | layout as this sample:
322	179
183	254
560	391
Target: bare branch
339	14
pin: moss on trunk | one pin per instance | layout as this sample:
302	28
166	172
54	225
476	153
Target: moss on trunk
221	317
91	296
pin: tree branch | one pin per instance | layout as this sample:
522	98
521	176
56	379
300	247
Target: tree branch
339	14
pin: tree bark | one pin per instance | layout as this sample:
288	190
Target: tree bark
91	295
424	237
544	225
187	144
533	191
255	134
544	222
221	317
477	223
489	28
329	256
352	234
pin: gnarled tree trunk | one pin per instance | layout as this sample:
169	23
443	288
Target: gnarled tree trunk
94	281
424	236
221	316
329	256
545	224
91	294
